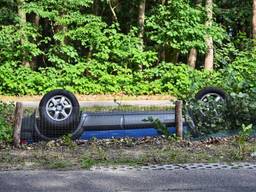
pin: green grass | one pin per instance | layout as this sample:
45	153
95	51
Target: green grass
115	152
87	162
59	164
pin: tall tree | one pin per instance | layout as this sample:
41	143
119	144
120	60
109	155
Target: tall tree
22	22
192	57
112	8
96	7
162	51
36	22
208	64
141	20
178	28
254	21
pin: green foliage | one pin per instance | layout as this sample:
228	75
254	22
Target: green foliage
87	162
6	121
94	77
53	9
59	164
180	27
161	128
241	74
11	48
235	16
226	53
76	49
242	109
97	78
245	133
7	15
207	117
241	139
68	141
211	117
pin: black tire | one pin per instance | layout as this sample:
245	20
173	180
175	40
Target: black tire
211	97
47	117
211	90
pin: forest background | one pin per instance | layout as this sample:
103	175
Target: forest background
131	47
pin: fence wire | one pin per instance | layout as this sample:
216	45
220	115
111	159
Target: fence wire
98	122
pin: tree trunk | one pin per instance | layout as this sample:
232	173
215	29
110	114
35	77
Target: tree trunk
193	52
192	58
208	64
163	2
141	20
22	21
254	21
172	55
162	53
61	28
112	10
36	20
96	7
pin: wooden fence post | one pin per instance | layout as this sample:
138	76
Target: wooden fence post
18	123
179	119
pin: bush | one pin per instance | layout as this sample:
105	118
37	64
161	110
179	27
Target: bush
240	76
204	119
6	121
100	78
238	110
241	109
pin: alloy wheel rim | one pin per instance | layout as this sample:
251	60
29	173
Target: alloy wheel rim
59	108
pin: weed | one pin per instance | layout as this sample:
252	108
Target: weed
87	162
161	128
67	140
59	164
241	139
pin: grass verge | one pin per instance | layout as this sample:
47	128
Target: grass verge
136	152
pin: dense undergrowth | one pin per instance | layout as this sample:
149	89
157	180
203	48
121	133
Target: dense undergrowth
101	78
75	48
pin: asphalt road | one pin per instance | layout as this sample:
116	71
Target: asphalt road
124	181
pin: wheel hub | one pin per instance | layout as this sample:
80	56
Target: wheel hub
59	108
210	99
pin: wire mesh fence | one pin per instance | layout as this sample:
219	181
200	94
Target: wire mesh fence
96	122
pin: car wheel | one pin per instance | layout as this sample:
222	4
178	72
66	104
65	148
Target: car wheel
208	93
211	98
59	109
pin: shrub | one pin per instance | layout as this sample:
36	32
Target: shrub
94	77
238	110
240	76
241	109
6	121
206	119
